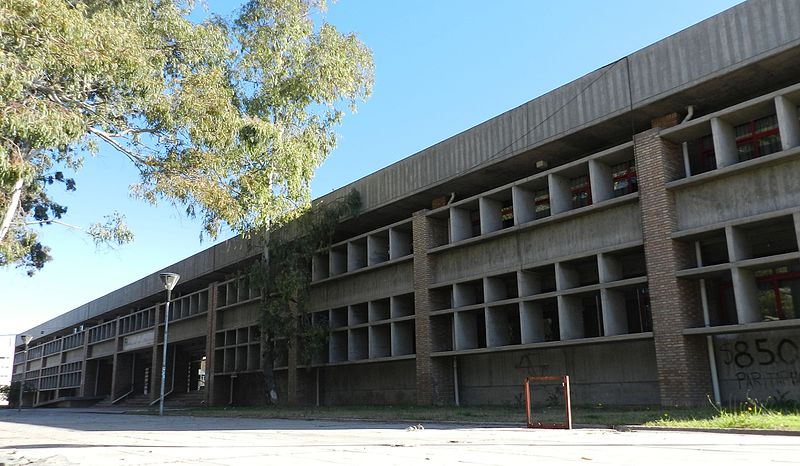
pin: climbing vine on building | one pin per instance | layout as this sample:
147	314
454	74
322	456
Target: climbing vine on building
284	275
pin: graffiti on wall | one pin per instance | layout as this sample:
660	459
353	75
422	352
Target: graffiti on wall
759	365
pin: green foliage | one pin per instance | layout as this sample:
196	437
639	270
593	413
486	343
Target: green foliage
228	119
10	392
285	278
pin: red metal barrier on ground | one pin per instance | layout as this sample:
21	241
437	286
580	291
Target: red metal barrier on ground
567	424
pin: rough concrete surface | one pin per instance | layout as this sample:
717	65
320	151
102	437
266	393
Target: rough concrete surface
56	437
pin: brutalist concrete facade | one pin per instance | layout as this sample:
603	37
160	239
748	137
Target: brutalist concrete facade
636	229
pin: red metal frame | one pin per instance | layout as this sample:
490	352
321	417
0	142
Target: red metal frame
567	424
541	198
625	171
774	279
578	186
754	136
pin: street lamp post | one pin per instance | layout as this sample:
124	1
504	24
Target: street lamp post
169	280
25	340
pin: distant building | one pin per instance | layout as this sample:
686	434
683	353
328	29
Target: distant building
636	229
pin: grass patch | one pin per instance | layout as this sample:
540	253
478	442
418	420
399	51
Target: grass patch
748	416
599	415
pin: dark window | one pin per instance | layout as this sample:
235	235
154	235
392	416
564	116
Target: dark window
758	138
541	201
701	156
475	221
637	305
581	191
625	181
507	214
592	316
778	291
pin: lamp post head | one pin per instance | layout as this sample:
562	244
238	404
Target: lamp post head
169	280
26	339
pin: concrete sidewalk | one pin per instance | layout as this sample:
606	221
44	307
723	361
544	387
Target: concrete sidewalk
80	437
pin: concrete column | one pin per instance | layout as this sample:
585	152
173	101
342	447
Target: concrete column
531	322
82	391
435	382
745	292
615	318
796	218
465	327
788	124
524	205
156	356
609	268
528	283
601	180
494	289
560	194
570	318
490	214
399	243
356	255
738	246
460	225
724	138
683	370
377	248
566	277
463	295
211	343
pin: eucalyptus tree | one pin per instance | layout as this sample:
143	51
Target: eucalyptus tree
227	119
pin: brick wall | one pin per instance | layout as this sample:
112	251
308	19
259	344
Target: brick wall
683	369
434	375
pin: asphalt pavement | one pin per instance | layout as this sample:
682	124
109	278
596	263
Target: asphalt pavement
81	437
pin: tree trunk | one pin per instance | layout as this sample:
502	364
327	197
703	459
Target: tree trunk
267	364
11	210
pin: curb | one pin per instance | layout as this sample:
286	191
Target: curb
634	428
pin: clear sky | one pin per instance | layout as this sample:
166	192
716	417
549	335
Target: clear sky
440	67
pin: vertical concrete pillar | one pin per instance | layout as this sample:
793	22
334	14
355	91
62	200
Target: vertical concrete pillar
683	370
156	356
738	246
490	214
615	319
115	382
85	378
435	383
601	181
560	194
570	318
524	205
211	342
796	218
724	139
745	293
745	290
788	124
460	224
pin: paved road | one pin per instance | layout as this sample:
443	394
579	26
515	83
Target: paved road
56	437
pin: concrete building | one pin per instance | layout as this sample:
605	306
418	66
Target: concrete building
636	229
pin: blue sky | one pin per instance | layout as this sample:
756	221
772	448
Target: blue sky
440	67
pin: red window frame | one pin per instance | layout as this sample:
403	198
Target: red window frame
625	171
754	137
541	198
579	186
774	279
